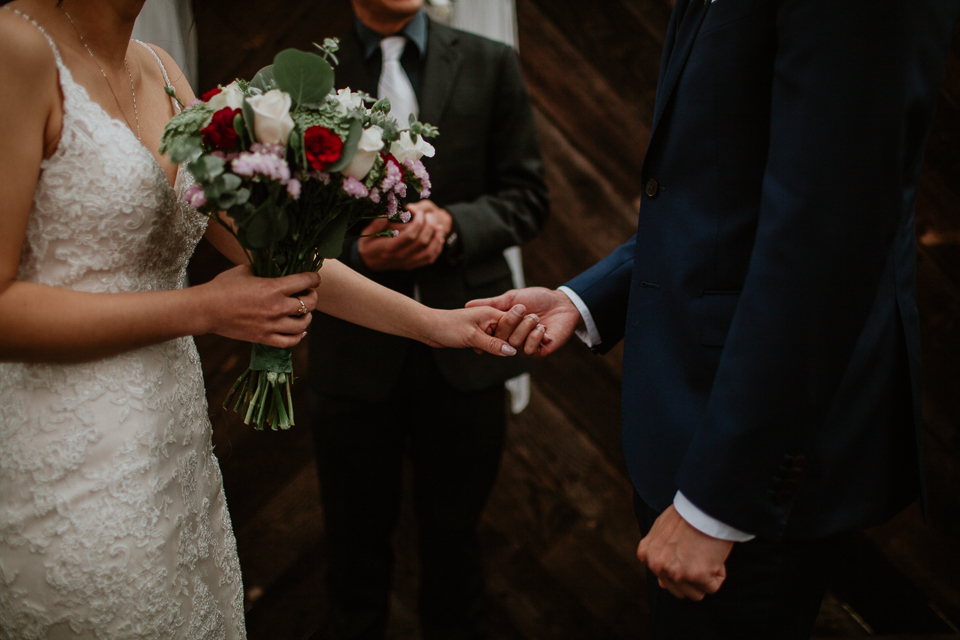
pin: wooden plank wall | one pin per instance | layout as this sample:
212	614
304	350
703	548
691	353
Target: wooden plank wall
559	529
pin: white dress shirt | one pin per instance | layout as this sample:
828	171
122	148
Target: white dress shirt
699	520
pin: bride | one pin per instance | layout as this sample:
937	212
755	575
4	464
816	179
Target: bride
112	516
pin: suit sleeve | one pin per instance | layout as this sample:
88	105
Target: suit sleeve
515	205
854	88
605	289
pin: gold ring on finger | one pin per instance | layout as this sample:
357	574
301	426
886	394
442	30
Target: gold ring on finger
302	311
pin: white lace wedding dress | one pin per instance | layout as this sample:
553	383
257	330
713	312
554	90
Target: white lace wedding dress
113	523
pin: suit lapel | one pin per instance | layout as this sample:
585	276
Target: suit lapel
685	25
439	72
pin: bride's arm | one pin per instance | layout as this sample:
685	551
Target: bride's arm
40	323
347	295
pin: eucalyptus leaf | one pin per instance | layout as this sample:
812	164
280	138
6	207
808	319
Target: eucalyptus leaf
231	182
281	225
265	80
305	76
349	147
243	196
248	119
184	148
227	200
260	231
241	129
331	240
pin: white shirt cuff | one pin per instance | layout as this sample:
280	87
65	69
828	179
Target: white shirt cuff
707	524
588	332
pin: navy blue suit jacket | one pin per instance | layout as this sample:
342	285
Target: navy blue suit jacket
767	302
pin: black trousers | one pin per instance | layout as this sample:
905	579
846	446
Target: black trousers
454	441
773	591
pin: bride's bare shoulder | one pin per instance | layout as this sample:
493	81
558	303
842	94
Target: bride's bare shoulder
26	58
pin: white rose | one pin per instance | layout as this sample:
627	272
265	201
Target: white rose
405	148
348	101
371	142
229	96
271	116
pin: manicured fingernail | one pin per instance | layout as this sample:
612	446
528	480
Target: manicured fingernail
541	327
518	310
534	317
507	350
547	338
304	335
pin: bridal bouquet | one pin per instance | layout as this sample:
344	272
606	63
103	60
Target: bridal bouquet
288	166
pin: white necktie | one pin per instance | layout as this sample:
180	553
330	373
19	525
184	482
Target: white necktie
395	84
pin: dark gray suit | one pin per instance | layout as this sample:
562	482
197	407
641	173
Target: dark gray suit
380	397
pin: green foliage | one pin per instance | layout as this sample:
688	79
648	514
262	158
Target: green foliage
264	80
306	77
349	147
186	124
331	240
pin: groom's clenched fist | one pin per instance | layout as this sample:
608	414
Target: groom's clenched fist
688	563
554	319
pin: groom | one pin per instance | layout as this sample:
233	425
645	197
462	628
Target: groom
771	374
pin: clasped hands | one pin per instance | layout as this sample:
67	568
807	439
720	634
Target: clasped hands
688	563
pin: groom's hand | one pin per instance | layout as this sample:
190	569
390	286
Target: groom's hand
549	322
687	562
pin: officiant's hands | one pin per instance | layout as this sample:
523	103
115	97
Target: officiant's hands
418	243
688	563
550	321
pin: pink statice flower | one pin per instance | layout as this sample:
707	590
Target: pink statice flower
395	233
392	205
420	173
375	195
405	216
400	190
394	176
355	188
194	102
293	188
268	165
195	196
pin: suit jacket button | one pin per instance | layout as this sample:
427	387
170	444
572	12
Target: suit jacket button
782	498
652	188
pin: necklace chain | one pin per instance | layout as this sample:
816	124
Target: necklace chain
133	91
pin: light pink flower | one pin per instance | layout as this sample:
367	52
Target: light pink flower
405	216
355	188
400	190
391	205
293	188
195	196
263	164
394	176
375	195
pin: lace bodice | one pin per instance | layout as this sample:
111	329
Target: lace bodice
113	523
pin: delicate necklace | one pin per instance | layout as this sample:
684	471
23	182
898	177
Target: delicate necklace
133	91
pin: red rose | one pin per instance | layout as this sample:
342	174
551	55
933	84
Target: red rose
220	132
209	94
322	146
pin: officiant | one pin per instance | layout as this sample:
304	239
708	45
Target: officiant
379	398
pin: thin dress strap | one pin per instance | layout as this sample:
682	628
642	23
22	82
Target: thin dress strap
163	70
56	52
